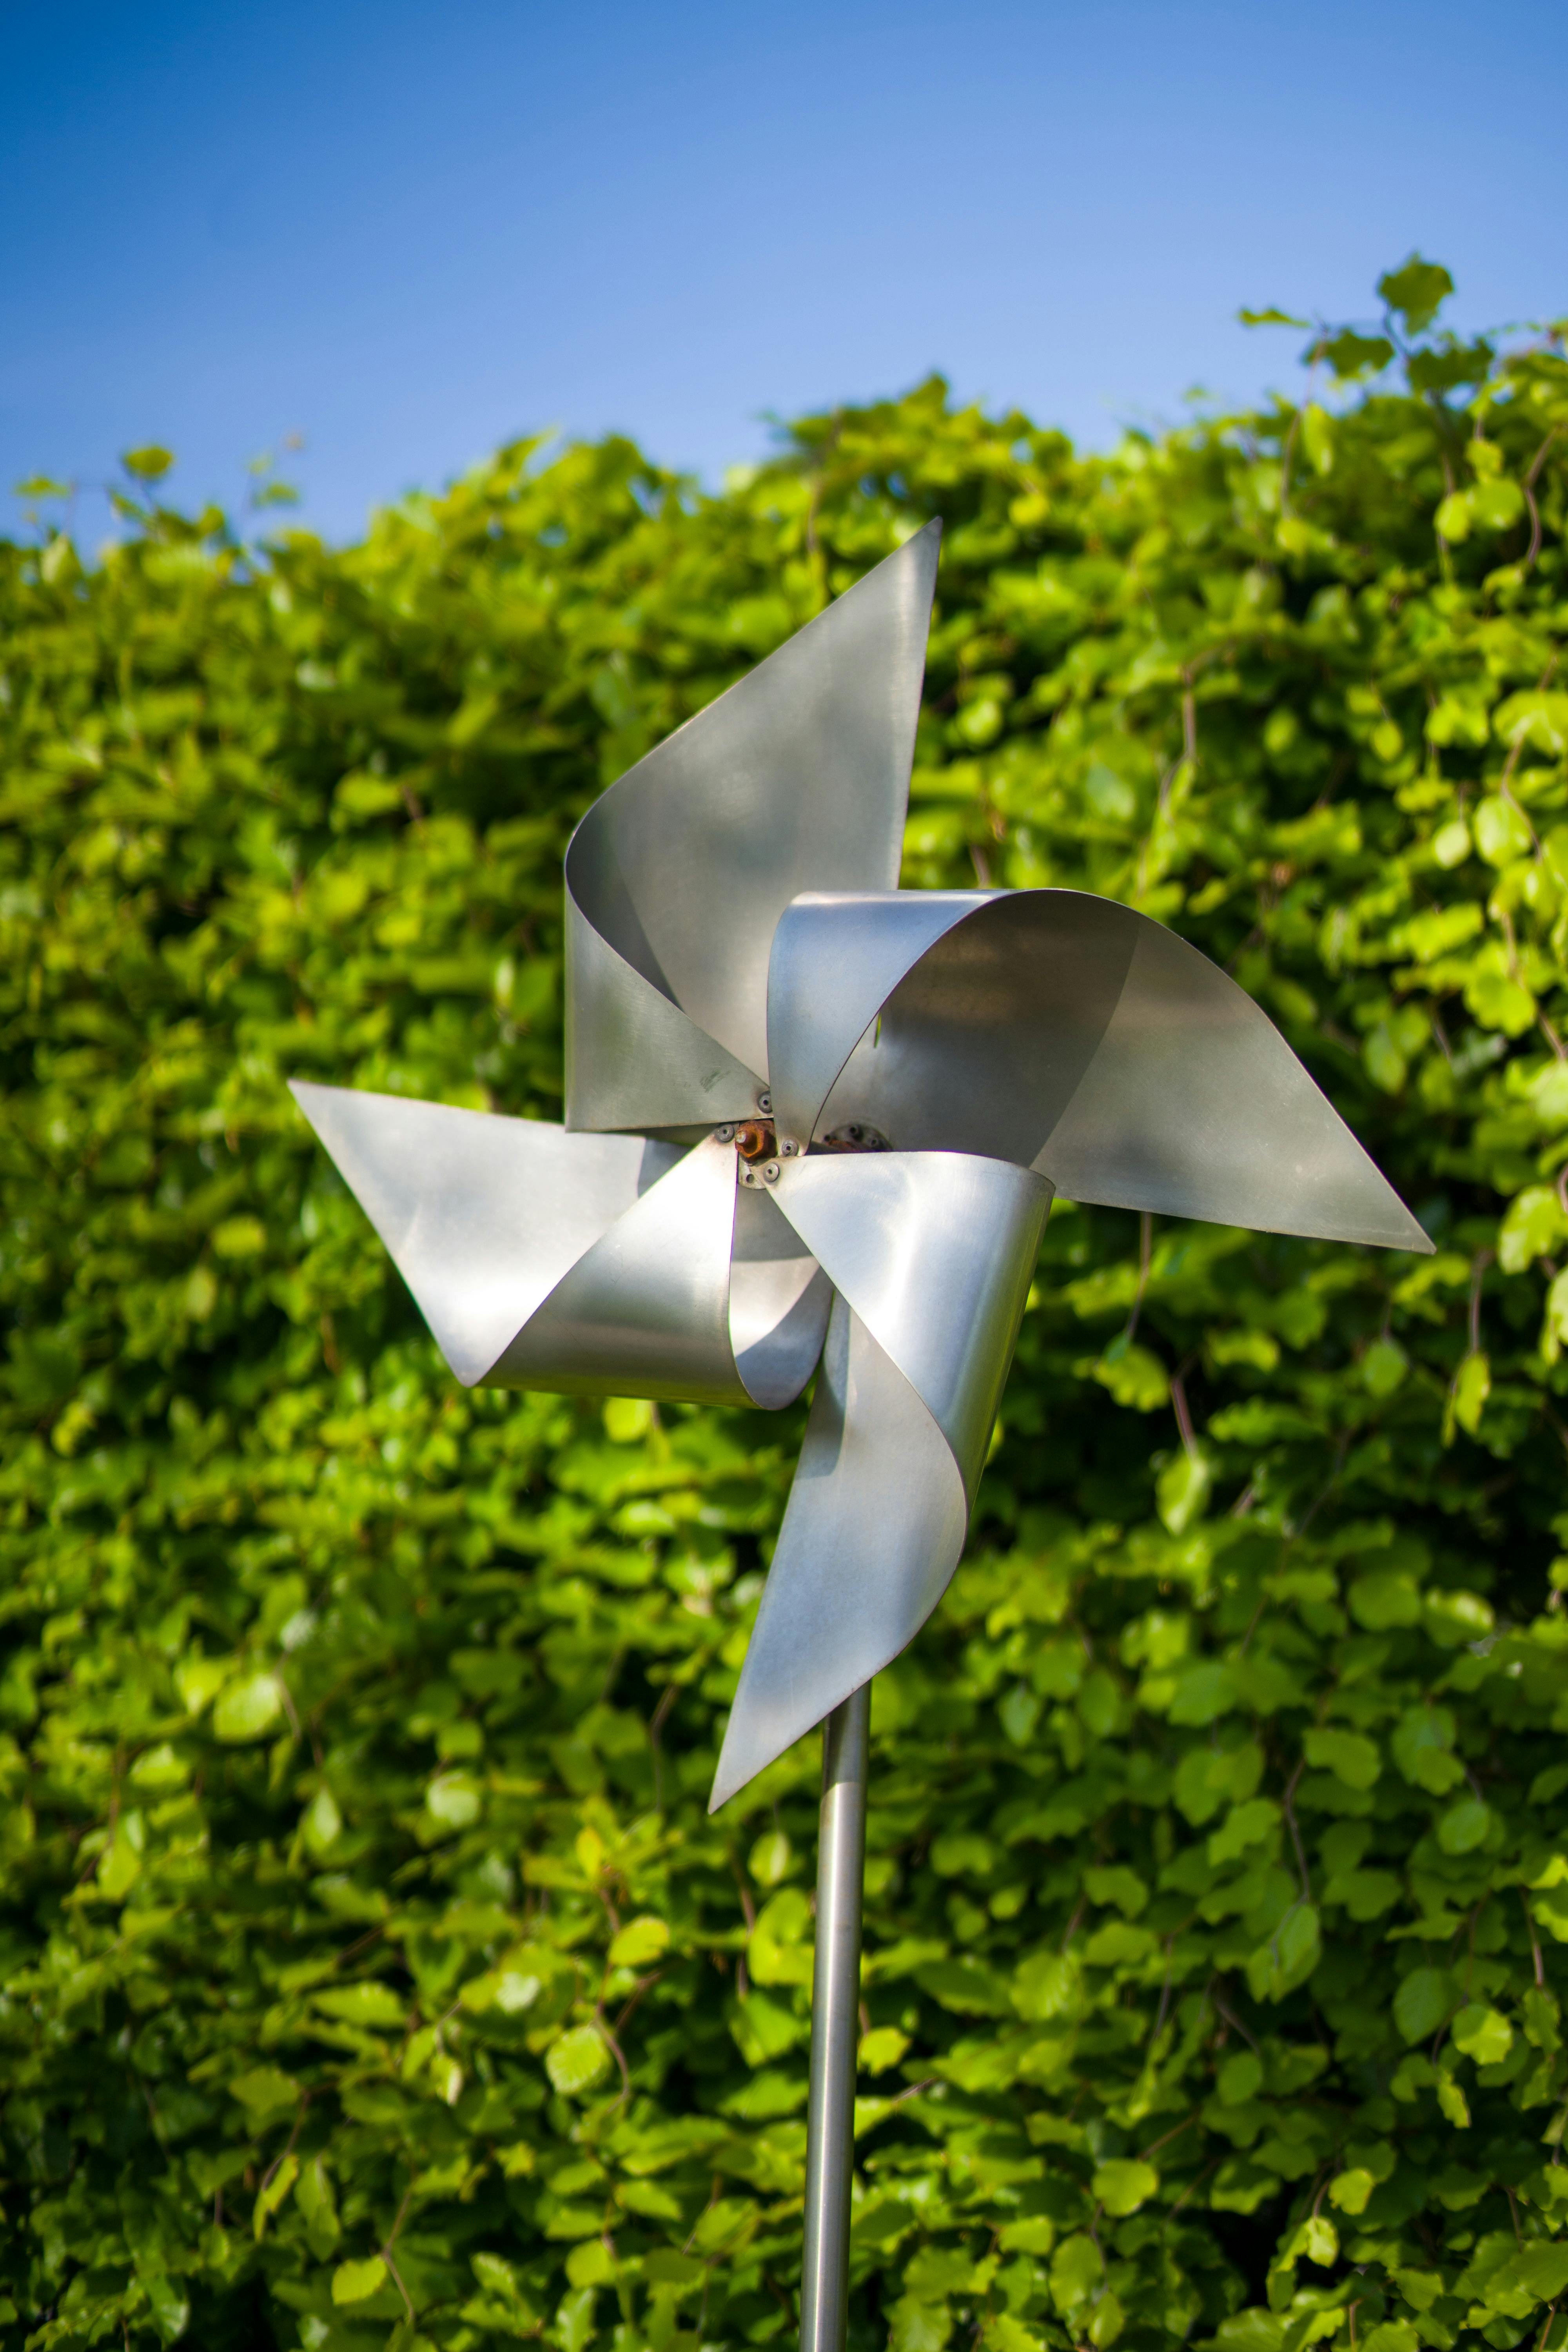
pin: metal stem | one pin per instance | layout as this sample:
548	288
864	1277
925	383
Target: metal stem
835	2026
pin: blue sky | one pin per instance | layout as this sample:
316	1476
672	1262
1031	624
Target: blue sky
407	232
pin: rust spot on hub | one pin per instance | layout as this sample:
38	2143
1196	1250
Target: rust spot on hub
754	1139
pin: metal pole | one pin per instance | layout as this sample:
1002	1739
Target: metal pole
835	2026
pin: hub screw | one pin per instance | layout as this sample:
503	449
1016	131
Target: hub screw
771	1172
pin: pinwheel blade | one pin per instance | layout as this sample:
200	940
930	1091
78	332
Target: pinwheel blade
482	1215
874	1527
836	959
779	1299
935	1252
795	780
1194	1105
1072	1035
931	1255
585	1264
646	1310
634	1060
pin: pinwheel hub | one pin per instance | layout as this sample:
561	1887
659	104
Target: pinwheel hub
853	1136
757	1148
761	1150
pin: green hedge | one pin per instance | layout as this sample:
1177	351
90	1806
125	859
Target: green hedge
370	1971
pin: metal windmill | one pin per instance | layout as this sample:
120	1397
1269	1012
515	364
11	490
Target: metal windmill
814	1123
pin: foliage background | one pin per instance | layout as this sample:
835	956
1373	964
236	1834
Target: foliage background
371	1972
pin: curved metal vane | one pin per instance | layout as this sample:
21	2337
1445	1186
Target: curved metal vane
1074	1035
800	1102
588	1264
932	1254
795	780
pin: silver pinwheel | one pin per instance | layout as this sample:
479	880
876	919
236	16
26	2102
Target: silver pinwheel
814	1124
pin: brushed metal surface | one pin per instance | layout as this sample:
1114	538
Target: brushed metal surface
981	1043
646	1311
779	1300
1195	1106
835	2025
795	780
871	1534
1069	1033
935	1252
634	1060
836	959
482	1215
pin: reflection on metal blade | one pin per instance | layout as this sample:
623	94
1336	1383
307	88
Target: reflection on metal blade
646	1311
779	1298
935	1252
836	959
1194	1105
872	1534
1073	1034
795	780
634	1060
482	1215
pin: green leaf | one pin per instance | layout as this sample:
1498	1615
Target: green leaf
1077	2273
270	2196
577	2062
770	1858
1182	1490
1501	832
171	2307
1318	2241
1349	1754
357	2282
1451	2100
1253	2330
248	1710
1463	1826
1467	1399
1543	2272
1250	1823
1351	355
1457	1617
1290	1956
1421	2002
149	464
1483	2034
1240	2078
640	1944
363	2004
1416	292
1133	1375
1386	1598
1383	1366
1049	1985
1534	1223
1536	718
264	2089
455	1799
1203	1694
1123	2183
966	1986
